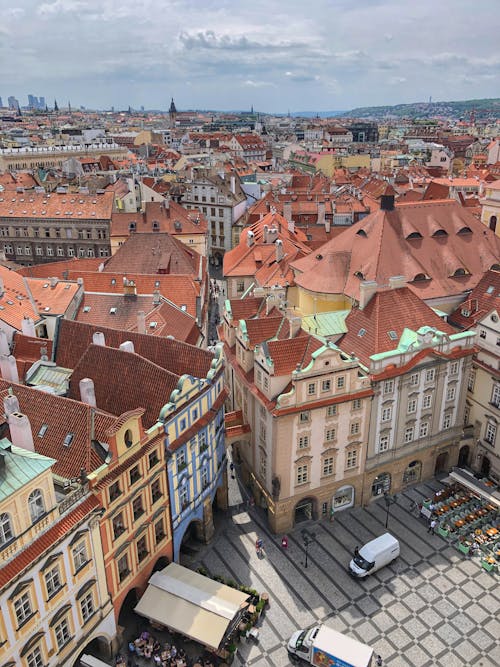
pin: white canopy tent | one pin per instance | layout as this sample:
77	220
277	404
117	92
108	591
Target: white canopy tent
192	604
467	479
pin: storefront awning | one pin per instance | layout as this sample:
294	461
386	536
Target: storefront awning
464	477
191	604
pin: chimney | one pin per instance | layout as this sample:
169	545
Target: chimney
387	203
295	326
156	298
4	343
233	184
28	327
53	281
10	404
129	289
8	368
397	281
98	338
287	212
87	392
321	213
366	290
250	238
266	234
20	431
141	321
127	346
279	250
2	288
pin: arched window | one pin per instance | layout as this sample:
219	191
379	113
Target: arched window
36	505
412	473
493	223
414	235
6	533
419	276
359	275
460	272
495	267
440	232
381	484
465	230
361	232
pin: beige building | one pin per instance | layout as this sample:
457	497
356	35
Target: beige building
490	212
54	156
53	594
307	406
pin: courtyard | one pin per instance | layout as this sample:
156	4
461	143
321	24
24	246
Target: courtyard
433	606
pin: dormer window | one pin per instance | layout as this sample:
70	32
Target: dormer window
36	505
68	439
440	232
460	272
465	230
414	235
112	311
156	226
361	232
43	430
132	227
419	276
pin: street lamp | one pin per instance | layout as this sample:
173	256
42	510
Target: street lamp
308	538
389	500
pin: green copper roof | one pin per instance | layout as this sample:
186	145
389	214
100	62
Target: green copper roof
19	467
323	325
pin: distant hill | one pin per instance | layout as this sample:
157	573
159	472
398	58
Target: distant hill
485	108
314	114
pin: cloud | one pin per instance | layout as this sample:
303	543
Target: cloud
234	54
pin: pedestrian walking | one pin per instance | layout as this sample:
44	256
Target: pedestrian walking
332	514
231	468
432	526
258	546
284	542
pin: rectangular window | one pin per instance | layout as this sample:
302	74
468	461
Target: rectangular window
183	497
447	421
340	382
326	385
87	606
303	442
383	443
302	474
159	531
454	368
386	414
304	417
52	581
450	393
430	374
263	465
180	459
240	286
424	429
62	633
142	548
137	507
356	404
328	466
409	434
34	659
135	475
331	411
414	379
311	389
114	491
491	433
204	478
156	492
427	401
80	556
123	570
471	381
153	459
22	608
495	396
352	458
118	526
388	386
354	428
330	434
412	406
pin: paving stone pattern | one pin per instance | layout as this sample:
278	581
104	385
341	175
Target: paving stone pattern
430	607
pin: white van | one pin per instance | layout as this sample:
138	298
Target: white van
374	555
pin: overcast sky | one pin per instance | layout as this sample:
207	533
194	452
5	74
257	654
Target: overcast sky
278	55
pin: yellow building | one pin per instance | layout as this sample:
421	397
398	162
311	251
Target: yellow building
53	595
490	213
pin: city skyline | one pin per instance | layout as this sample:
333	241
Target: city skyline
231	56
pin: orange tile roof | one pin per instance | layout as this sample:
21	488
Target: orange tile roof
60	269
15	302
55	206
380	246
48	540
53	300
243	309
289	353
174	219
27	350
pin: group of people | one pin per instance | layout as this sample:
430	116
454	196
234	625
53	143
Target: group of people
150	648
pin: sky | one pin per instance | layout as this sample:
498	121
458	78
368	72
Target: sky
277	55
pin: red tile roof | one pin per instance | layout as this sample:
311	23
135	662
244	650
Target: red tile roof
390	310
62	416
73	339
47	541
289	353
172	218
55	206
60	269
483	299
243	309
